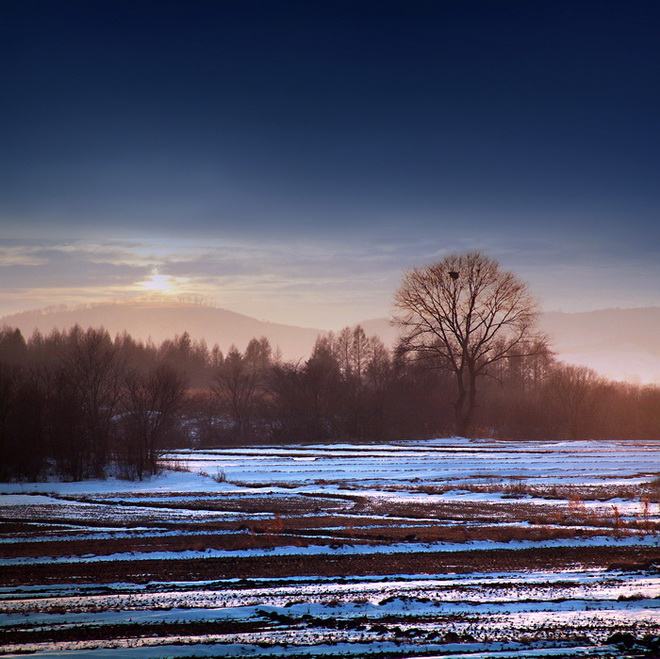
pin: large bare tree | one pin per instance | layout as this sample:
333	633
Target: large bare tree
152	402
464	314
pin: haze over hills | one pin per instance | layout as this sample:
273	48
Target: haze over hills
163	319
621	344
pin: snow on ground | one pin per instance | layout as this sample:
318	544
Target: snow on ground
342	492
344	550
166	482
454	460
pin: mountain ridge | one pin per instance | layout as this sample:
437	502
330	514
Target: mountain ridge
622	344
160	320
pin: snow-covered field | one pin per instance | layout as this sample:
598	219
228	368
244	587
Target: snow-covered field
447	548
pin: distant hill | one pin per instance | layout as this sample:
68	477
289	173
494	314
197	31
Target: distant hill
163	319
622	330
622	344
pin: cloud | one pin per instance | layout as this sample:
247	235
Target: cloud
313	282
20	256
307	282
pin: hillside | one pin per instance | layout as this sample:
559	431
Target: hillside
622	344
162	320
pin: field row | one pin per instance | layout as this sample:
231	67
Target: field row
343	551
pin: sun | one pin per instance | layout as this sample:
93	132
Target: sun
157	283
160	283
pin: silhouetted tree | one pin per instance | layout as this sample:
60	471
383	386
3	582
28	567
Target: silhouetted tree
95	371
21	452
240	382
322	386
576	392
151	403
514	400
259	354
465	314
13	348
73	402
188	356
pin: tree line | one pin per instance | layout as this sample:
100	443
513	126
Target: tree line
75	403
469	361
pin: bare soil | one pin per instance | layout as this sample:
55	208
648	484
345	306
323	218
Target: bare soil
556	559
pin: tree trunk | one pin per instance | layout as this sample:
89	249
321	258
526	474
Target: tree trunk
466	402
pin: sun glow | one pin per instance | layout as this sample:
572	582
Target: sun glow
157	283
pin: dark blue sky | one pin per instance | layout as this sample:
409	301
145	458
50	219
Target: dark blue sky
202	139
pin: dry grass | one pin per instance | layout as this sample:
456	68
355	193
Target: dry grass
518	487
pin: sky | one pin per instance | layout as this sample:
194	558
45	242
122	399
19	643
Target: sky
289	159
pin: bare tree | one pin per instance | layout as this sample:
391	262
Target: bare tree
577	392
465	314
238	385
94	369
152	402
321	377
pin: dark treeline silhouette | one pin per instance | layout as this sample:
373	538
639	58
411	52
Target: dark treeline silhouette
73	403
80	404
